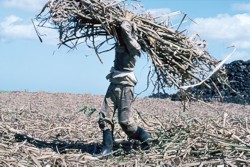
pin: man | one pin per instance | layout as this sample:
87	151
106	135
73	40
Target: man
120	93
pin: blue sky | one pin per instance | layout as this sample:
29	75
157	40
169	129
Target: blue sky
27	64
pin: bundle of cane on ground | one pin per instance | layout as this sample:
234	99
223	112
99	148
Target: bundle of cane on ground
178	61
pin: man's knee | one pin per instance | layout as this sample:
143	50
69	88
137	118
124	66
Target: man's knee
124	124
128	127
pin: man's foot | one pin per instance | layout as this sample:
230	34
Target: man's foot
107	144
143	137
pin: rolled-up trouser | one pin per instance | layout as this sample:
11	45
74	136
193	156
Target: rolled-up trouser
119	97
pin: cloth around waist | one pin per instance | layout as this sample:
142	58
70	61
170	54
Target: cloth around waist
122	77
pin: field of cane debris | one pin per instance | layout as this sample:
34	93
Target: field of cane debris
60	129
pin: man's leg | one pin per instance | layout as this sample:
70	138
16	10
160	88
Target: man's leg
125	118
106	121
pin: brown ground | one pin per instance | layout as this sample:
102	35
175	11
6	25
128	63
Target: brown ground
54	129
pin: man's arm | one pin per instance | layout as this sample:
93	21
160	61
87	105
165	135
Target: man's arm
131	43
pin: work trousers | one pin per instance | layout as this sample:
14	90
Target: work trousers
119	97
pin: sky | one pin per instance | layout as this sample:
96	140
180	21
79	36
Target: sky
26	64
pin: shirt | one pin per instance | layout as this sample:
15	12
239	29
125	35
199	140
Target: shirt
125	57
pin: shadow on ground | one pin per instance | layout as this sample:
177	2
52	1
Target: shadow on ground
59	146
62	147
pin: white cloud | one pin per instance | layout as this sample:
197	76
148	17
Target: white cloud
241	6
28	5
158	11
242	44
240	55
13	27
233	29
173	19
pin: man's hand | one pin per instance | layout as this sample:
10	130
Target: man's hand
129	16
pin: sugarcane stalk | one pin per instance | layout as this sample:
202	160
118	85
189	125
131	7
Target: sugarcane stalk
174	55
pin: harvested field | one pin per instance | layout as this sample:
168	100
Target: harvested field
55	129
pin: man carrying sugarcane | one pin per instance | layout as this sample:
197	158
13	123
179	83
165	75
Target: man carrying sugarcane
120	93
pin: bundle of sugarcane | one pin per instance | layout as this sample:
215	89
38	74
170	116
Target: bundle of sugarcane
178	60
